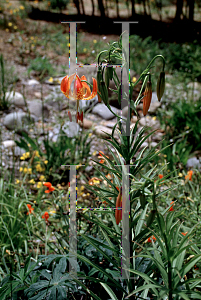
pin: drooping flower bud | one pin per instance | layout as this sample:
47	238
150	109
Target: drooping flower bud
151	217
118	211
147	98
104	92
161	85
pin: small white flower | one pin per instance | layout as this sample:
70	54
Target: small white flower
93	51
104	37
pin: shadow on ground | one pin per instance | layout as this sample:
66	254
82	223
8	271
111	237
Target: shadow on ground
171	31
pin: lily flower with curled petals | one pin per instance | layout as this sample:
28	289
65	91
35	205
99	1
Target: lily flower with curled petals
81	90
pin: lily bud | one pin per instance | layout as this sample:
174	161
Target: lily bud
147	98
120	93
107	78
161	85
104	92
118	213
99	76
142	200
151	217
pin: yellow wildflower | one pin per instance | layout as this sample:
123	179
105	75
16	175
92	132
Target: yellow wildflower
94	153
134	79
32	181
82	188
32	38
85	49
42	178
68	44
94	41
180	175
27	154
21	169
37	153
21	7
164	155
90	134
29	170
25	170
7	30
17	181
46	162
8	251
39	168
23	157
53	211
10	24
50	79
154	118
39	185
15	27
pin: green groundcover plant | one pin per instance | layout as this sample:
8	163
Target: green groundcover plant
163	257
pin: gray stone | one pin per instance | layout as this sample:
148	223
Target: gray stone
102	110
15	98
18	120
150	122
193	162
19	151
153	144
101	131
71	129
153	107
85	104
57	100
36	108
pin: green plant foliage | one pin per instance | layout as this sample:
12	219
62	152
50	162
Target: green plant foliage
42	66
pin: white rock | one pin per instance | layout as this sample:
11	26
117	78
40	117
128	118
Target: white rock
15	98
8	144
32	82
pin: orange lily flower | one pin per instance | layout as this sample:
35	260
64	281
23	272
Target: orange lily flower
189	175
45	216
151	238
160	176
81	89
30	209
49	186
171	208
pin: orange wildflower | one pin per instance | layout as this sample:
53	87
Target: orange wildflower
81	89
94	180
189	175
49	186
160	176
102	159
45	216
30	209
171	208
151	238
184	233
